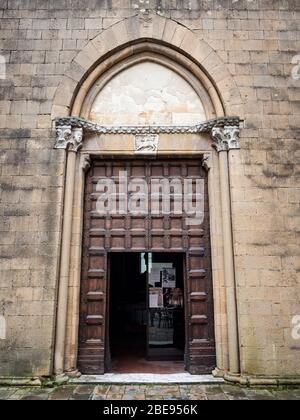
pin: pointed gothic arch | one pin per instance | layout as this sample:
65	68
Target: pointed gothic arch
128	42
133	35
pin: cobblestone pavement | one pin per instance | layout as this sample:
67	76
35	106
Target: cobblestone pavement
148	392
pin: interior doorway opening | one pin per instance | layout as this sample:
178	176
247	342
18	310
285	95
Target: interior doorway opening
146	313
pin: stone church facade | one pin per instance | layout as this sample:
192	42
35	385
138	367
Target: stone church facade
87	83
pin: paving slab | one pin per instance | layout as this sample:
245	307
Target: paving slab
84	389
149	392
4	392
259	394
61	394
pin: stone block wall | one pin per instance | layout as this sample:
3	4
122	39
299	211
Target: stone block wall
258	41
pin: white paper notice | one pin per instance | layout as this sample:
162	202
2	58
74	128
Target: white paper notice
156	298
155	277
153	301
169	278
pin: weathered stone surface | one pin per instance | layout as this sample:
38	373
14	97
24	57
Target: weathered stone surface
255	43
162	392
61	393
148	94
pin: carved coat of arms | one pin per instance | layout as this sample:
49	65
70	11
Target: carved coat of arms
146	143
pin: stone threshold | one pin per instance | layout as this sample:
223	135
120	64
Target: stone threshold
20	382
141	378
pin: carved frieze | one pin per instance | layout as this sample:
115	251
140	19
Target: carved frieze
204	127
224	131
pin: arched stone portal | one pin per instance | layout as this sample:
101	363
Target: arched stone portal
95	131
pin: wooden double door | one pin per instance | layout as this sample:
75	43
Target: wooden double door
124	229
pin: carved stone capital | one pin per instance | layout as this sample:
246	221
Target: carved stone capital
233	137
63	136
86	162
69	138
226	138
207	161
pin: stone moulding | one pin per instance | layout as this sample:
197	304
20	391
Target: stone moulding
205	127
241	380
258	381
225	127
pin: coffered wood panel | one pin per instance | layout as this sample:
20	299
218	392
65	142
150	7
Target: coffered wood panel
147	232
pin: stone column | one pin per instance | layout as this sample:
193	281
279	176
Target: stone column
214	206
69	139
83	165
226	139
